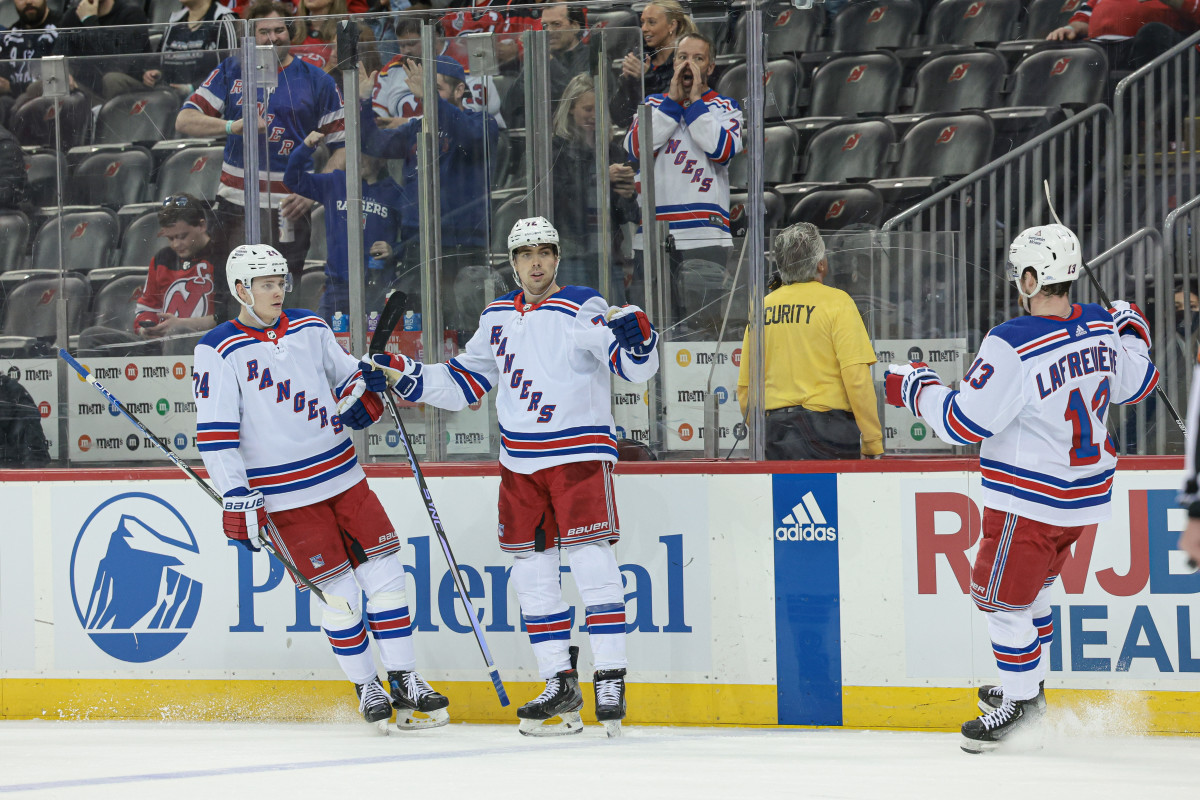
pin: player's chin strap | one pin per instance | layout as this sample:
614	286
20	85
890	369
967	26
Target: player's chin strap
250	309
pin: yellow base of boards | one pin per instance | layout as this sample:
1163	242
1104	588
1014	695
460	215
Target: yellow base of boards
879	708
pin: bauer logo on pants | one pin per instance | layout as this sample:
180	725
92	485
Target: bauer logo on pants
131	583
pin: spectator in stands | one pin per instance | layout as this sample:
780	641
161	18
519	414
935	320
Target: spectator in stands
306	99
1132	32
315	40
696	133
568	58
820	399
664	22
381	200
574	209
192	46
185	292
32	36
516	17
466	139
100	31
395	104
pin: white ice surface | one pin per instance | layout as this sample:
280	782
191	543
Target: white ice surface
227	761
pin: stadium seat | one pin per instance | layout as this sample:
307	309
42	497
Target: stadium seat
43	166
935	150
869	25
959	79
141	241
194	170
623	32
115	305
854	84
111	178
1043	16
781	75
855	149
147	116
739	222
316	242
99	278
715	28
779	158
89	240
791	31
33	123
14	235
312	284
835	206
971	22
1060	76
703	289
503	219
31	313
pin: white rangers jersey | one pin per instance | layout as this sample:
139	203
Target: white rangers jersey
266	410
391	96
1037	397
550	364
692	150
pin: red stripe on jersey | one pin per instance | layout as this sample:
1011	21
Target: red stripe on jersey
307	472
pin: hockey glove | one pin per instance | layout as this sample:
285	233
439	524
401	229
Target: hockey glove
358	407
633	331
1130	321
245	514
903	384
381	370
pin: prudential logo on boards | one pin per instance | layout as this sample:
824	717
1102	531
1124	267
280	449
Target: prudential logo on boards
132	577
807	521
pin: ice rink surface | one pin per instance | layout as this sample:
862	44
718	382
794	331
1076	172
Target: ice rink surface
228	761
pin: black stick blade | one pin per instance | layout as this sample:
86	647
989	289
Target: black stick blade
389	318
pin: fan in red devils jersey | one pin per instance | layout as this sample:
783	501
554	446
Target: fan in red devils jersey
185	293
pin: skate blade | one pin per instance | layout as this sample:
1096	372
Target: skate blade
571	723
409	721
382	726
612	727
975	747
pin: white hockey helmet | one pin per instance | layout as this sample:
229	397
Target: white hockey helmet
1051	251
250	261
531	231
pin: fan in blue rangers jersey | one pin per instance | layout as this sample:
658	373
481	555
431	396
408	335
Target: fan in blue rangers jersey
1036	399
274	395
549	351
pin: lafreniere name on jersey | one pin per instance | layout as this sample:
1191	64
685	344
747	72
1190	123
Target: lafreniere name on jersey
1075	364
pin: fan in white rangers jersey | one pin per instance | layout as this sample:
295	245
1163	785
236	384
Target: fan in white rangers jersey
549	352
273	437
1037	399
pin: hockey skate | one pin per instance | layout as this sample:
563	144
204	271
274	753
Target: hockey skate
561	698
985	733
992	697
412	695
373	704
610	699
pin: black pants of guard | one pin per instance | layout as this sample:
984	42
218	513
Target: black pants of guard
797	434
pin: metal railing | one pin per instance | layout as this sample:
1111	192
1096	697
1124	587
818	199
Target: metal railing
1181	255
991	205
1155	108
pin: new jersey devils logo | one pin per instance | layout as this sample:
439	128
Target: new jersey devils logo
198	164
49	115
973	10
946	135
80	229
736	212
1060	66
137	107
835	209
1070	6
783	18
877	15
188	297
851	142
113	169
958	73
47	297
856	74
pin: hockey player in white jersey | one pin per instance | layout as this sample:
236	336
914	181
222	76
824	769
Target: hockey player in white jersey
1036	398
549	351
274	395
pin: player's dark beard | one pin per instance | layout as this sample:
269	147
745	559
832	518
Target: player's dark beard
32	14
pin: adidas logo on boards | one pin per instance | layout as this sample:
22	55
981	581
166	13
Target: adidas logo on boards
806	523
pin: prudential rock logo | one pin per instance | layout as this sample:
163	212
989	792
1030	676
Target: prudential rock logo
133	581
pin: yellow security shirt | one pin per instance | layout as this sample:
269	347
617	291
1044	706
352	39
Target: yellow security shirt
818	356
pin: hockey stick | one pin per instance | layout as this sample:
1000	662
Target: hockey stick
329	599
1159	390
393	309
